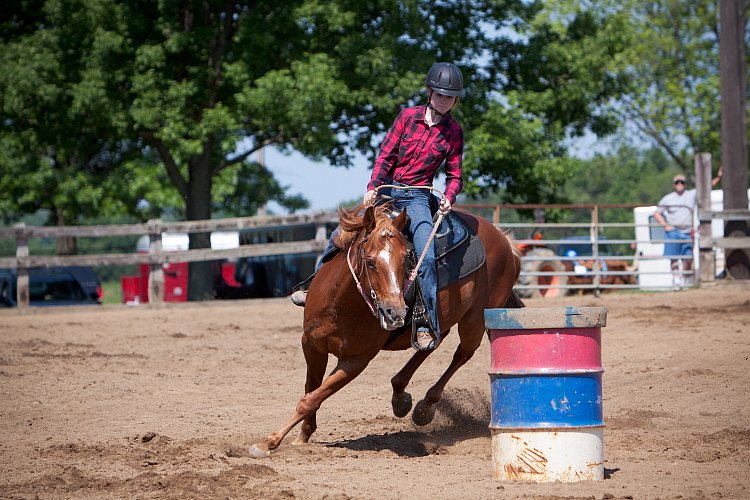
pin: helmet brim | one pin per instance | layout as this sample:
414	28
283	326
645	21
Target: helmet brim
451	93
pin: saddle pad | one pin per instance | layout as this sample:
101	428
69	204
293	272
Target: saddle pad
459	251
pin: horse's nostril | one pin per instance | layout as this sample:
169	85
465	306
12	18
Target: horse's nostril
393	313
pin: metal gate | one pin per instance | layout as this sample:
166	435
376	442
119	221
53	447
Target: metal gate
589	248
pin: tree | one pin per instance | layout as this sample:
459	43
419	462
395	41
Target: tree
198	87
59	133
67	141
554	75
213	82
628	175
672	68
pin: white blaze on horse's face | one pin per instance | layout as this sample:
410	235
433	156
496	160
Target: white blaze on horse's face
390	277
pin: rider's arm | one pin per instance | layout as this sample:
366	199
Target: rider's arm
453	166
388	155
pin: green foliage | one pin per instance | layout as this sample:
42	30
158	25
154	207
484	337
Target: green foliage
672	66
628	176
149	106
554	75
61	134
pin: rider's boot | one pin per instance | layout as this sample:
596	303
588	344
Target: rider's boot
425	340
422	336
298	298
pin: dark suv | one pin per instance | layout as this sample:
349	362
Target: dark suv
56	286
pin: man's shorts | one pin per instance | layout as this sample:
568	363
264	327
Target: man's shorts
678	248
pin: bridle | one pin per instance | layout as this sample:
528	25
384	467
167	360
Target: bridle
372	302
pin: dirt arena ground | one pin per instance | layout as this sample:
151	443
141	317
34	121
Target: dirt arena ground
118	402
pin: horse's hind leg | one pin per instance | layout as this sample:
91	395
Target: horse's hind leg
345	371
471	332
401	400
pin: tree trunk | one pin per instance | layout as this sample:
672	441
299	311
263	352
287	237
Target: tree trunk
64	245
198	205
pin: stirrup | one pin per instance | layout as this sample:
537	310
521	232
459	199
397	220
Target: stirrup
422	328
424	340
421	323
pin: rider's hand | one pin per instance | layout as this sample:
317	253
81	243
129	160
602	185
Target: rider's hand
445	206
369	199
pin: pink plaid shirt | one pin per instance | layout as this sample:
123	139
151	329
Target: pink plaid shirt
412	152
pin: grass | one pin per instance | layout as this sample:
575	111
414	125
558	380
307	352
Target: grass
112	292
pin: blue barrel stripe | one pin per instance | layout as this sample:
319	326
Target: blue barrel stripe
542	401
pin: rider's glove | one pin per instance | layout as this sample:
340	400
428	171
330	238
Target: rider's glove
445	206
369	199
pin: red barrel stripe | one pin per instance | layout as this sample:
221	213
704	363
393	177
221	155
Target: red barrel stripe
546	350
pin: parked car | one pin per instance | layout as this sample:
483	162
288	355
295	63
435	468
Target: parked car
56	286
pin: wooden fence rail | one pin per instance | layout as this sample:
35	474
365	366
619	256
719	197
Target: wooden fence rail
156	257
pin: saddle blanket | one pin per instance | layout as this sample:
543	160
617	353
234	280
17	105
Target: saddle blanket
458	249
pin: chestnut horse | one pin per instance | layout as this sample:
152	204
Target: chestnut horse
354	324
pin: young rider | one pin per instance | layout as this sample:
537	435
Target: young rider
421	139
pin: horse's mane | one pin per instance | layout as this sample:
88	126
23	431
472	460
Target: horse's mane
513	243
351	222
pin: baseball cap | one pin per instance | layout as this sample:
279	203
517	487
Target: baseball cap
679	177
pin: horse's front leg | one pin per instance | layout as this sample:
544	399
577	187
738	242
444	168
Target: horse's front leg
401	400
345	371
316	368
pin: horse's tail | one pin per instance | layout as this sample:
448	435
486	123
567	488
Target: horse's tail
514	301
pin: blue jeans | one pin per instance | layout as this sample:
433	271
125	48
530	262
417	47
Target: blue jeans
678	249
417	204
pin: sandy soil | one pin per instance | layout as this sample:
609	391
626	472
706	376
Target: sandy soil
136	402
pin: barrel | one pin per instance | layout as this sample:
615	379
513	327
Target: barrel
547	422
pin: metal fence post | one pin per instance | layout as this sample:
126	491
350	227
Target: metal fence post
595	250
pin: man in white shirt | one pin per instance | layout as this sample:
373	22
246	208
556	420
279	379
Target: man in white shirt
675	214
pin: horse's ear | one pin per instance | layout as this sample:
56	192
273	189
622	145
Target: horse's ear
368	221
401	220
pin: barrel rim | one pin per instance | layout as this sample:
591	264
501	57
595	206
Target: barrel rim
542	428
545	317
545	371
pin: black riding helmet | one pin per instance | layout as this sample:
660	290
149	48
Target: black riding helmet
445	78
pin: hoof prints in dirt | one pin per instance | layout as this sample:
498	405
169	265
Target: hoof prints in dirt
187	484
189	469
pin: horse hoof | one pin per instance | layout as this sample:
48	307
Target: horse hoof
423	413
401	404
259	451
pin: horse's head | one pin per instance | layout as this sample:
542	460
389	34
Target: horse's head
378	258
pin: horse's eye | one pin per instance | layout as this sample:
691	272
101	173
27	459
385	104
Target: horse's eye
370	264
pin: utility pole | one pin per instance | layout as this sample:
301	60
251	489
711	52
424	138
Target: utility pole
734	129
